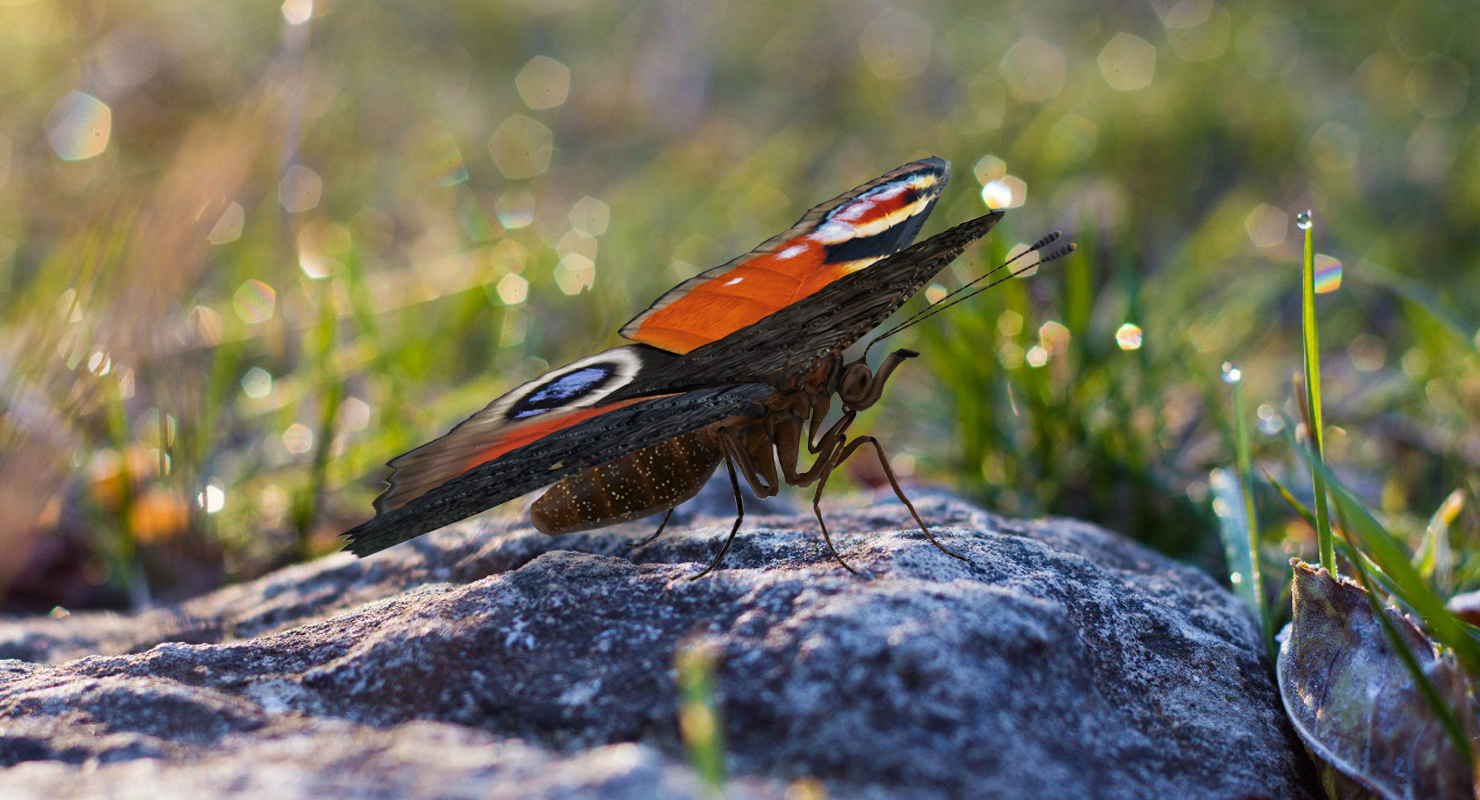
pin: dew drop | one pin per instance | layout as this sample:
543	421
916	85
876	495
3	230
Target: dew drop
1303	220
1231	373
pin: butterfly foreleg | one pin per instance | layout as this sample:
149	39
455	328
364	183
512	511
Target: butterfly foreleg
893	482
825	449
828	464
753	457
820	406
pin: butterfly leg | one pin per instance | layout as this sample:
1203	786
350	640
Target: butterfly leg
739	515
831	442
655	535
763	480
893	482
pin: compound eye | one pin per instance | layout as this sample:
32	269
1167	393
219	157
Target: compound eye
856	382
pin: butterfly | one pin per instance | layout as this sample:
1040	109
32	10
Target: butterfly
738	365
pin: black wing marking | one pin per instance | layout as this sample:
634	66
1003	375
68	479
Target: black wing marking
565	452
789	342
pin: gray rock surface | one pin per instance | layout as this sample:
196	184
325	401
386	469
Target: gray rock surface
482	661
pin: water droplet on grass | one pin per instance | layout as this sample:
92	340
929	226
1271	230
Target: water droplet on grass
1303	220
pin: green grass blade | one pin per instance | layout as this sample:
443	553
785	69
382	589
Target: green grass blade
1435	559
1390	556
1312	350
1243	562
698	716
1289	497
1426	688
1251	516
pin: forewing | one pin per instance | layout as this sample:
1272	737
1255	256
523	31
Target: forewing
622	429
838	238
556	400
789	342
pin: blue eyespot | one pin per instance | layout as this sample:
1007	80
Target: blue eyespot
562	390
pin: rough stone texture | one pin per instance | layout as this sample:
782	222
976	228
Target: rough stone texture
1064	661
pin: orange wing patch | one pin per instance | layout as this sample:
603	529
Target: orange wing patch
839	237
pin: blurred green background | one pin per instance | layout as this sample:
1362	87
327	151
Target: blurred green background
249	251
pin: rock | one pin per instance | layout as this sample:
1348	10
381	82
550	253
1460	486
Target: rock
1063	661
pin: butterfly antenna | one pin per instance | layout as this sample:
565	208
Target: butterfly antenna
942	305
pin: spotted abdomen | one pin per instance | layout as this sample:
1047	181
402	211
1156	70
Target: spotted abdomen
647	482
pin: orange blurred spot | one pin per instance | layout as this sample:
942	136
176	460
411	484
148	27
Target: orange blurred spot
159	515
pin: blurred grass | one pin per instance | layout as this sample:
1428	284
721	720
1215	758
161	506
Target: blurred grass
310	237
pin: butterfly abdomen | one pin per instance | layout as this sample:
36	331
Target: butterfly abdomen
640	484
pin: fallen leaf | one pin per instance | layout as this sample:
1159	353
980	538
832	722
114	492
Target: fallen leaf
1358	708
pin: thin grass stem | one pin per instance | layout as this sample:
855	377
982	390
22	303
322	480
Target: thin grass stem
1312	349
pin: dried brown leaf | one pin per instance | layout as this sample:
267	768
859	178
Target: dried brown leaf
1357	707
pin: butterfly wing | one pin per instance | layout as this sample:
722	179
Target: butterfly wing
790	341
556	400
838	238
615	431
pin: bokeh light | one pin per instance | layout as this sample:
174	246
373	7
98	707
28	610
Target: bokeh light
298	439
1127	62
1267	225
543	83
1054	336
297	12
229	225
896	44
79	127
212	499
1438	87
1198	30
515	209
1328	274
1008	192
590	215
254	301
521	147
575	273
512	289
257	383
300	189
989	168
1128	336
1034	70
1024	262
